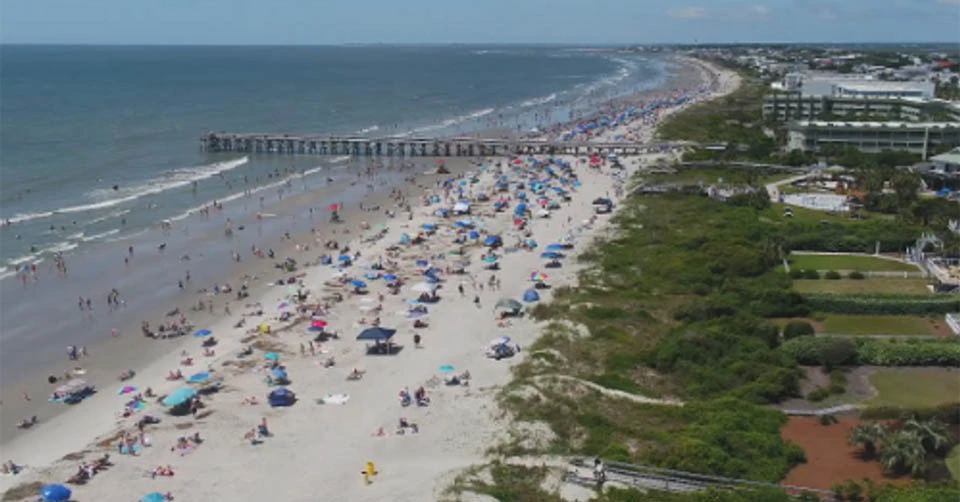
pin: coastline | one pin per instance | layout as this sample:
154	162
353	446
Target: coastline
451	414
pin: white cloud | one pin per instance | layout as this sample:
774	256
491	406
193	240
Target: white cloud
688	13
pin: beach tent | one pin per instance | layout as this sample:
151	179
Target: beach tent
551	255
202	333
282	397
154	497
493	240
179	396
389	277
474	234
531	296
55	493
509	304
357	283
376	333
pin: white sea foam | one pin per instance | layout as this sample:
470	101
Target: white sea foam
538	101
60	247
20	260
453	121
112	214
366	130
5	273
101	235
128	236
176	179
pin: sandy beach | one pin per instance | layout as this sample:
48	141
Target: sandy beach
318	449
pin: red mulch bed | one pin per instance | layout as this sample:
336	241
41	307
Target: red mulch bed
830	459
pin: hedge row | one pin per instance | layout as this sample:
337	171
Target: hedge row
841	304
811	351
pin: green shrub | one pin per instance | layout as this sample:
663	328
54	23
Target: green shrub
832	275
818	394
838	382
946	413
828	419
796	273
795	329
856	275
880	305
811	274
809	350
852	490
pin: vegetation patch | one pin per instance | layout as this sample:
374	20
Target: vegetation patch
915	387
861	263
836	351
873	285
838	324
883	305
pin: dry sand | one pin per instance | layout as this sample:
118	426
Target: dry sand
318	451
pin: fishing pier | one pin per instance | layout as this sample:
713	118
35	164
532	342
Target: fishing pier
411	147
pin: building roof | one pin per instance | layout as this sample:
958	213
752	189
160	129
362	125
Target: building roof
888	125
951	157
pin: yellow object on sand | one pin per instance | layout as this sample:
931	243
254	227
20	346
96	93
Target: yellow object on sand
264	328
369	473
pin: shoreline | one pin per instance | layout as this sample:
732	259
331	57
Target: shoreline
61	425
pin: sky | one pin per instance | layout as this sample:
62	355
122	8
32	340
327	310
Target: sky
320	22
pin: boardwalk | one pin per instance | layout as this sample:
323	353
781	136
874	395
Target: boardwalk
412	147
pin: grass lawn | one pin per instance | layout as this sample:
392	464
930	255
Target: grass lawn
710	175
883	286
847	262
877	325
953	462
916	387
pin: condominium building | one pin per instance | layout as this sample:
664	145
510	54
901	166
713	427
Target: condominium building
784	106
873	137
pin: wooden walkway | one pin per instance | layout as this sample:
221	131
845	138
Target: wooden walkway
413	147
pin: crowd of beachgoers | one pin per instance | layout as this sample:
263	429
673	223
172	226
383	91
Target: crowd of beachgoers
365	353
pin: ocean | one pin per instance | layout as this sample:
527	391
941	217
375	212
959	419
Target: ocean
99	145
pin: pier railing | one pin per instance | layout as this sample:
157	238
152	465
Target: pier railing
414	147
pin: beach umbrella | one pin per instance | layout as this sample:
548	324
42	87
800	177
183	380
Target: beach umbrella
376	333
422	263
127	389
154	497
520	210
538	277
318	323
461	207
404	239
389	277
428	226
551	255
508	304
55	493
271	356
474	234
463	224
202	333
555	247
179	396
531	296
490	259
279	374
492	240
446	368
344	259
199	377
503	340
357	283
282	397
424	287
333	207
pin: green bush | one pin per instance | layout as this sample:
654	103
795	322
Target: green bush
838	382
856	275
877	352
852	490
811	274
946	413
881	305
832	275
795	329
796	273
828	419
818	394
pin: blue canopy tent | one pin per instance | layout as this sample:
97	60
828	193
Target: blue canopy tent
531	296
376	334
281	397
179	396
55	493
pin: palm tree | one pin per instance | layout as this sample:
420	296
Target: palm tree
870	436
904	452
934	436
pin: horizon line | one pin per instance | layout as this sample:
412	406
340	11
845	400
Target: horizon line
448	44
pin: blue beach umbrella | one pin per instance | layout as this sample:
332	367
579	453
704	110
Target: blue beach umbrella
389	277
428	226
474	234
357	283
422	263
446	368
55	493
550	255
555	247
199	377
154	497
271	356
493	240
202	333
490	259
344	258
279	374
179	396
531	296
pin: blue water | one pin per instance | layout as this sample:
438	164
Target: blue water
77	121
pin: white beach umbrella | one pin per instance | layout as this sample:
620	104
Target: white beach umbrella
424	287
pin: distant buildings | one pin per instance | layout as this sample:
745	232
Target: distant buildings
873	137
783	107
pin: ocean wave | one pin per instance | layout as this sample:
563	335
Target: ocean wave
112	214
101	235
128	236
453	121
538	101
366	130
5	273
20	260
178	178
60	247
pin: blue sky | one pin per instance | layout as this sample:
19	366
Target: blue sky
475	21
